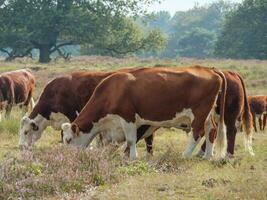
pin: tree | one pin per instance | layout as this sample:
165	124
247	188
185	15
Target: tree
197	43
244	33
125	37
48	25
157	20
207	18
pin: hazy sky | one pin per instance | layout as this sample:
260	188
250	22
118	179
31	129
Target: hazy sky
174	5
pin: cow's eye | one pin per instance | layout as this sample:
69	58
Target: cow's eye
26	132
68	140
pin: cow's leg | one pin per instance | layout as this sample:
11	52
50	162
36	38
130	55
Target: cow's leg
8	111
260	122
198	128
202	149
210	133
254	121
264	121
231	135
149	144
1	113
140	133
195	137
147	132
28	104
131	137
32	104
193	141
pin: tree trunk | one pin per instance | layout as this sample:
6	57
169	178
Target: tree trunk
44	56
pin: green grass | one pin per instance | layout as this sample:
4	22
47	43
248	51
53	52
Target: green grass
52	171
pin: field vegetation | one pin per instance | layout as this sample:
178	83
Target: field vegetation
53	171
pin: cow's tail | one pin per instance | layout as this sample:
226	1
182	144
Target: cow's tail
246	120
221	139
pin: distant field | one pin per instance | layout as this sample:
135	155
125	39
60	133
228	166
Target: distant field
52	171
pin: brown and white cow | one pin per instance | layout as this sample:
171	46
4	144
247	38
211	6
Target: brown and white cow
61	100
236	107
258	107
16	88
158	97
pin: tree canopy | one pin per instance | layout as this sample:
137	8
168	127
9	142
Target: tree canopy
48	25
190	33
244	33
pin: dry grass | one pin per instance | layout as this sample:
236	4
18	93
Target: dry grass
52	171
58	169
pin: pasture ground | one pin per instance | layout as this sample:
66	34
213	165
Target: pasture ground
53	171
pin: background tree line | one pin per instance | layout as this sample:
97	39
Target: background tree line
45	28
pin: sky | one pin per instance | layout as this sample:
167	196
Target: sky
180	5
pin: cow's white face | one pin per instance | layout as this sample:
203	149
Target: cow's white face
73	136
31	130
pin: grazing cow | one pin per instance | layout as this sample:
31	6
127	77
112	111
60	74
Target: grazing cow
158	97
16	88
61	100
258	107
236	106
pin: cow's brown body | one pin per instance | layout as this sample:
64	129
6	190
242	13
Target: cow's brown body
16	87
67	94
258	106
236	105
155	95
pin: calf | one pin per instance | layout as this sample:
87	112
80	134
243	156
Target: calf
16	88
258	107
157	97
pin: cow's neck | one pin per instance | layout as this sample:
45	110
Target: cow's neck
40	110
41	121
86	118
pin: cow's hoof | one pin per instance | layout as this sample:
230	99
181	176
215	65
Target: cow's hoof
207	157
229	156
200	153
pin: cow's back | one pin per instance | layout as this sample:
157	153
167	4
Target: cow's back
142	90
258	103
234	102
67	94
20	83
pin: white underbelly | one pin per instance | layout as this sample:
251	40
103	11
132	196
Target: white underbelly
183	118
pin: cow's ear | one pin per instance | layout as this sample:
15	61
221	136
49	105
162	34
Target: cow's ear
75	129
34	126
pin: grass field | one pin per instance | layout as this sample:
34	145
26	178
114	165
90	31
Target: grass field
53	171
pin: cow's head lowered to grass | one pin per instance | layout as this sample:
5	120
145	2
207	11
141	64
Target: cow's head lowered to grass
73	136
31	130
